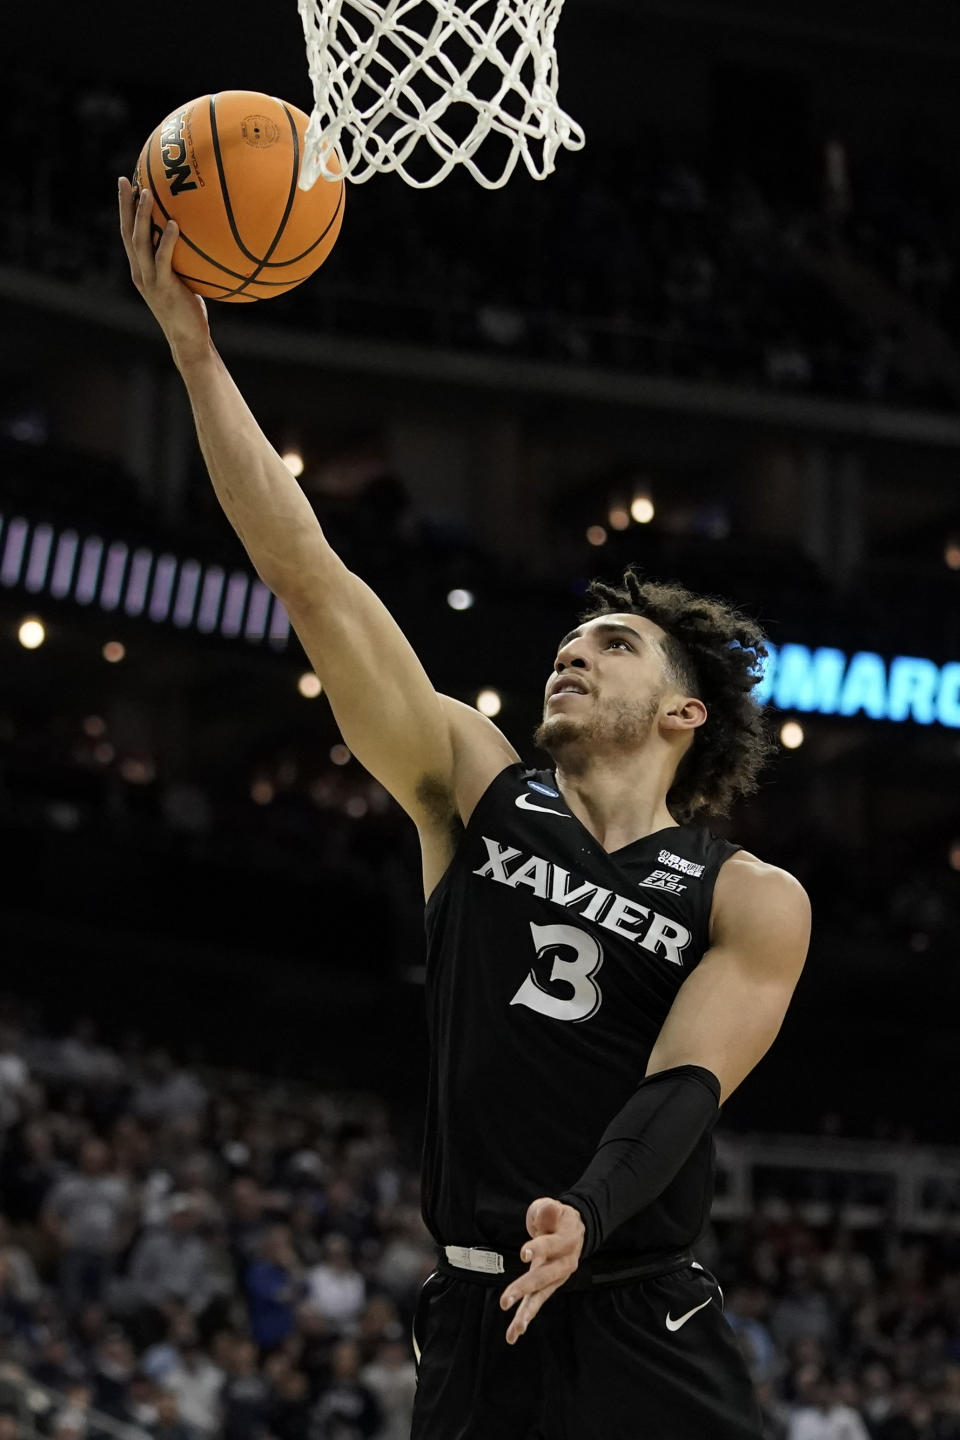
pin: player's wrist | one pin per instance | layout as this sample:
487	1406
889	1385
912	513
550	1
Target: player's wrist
191	352
584	1221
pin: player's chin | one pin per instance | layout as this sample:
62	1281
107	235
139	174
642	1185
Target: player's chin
556	731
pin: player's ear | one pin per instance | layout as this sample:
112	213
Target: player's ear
684	713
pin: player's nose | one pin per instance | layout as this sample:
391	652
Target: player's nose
573	654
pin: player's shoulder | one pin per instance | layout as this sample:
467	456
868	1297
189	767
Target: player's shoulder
746	879
480	752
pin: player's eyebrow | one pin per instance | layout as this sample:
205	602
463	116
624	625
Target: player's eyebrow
607	627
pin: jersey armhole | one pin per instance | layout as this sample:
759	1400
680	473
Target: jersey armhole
438	891
732	848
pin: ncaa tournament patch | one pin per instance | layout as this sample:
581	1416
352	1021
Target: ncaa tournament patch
543	789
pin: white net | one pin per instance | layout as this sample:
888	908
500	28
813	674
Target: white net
419	86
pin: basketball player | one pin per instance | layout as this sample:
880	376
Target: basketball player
603	972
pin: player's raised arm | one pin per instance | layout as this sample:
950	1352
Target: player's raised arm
390	716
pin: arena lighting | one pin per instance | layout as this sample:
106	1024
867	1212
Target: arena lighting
309	685
293	461
488	703
460	599
89	570
618	517
137	771
596	535
642	509
951	554
340	755
791	735
830	682
31	634
113	652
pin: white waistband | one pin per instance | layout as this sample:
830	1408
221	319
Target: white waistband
467	1257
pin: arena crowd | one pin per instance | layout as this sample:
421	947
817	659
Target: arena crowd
195	1255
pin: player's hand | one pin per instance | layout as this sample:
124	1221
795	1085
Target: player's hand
181	314
553	1252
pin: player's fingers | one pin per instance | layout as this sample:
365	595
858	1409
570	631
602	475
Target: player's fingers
164	257
126	199
545	1247
545	1278
543	1216
125	202
529	1309
142	243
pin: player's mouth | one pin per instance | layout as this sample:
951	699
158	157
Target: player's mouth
563	689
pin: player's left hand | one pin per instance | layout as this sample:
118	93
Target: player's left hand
553	1252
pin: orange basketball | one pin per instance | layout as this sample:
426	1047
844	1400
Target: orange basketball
225	167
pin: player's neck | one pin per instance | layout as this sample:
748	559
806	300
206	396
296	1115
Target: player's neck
619	799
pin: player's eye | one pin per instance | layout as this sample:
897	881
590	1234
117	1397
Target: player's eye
625	643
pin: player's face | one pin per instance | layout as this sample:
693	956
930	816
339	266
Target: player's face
608	679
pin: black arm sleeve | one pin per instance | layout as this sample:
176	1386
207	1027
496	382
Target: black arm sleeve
642	1149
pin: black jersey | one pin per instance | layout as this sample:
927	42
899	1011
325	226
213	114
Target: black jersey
551	966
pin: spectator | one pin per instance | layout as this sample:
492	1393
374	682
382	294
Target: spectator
89	1215
274	1285
346	1212
803	1311
745	1312
407	1256
174	1262
167	1092
247	1221
72	1421
844	1270
288	1416
348	1409
14	1081
169	1424
246	1395
335	1289
198	1386
113	1370
826	1419
58	1364
142	1398
22	1281
30	1169
391	1377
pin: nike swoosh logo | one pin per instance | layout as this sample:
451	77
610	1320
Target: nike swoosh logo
523	802
675	1324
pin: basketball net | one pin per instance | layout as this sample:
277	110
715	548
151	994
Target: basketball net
428	83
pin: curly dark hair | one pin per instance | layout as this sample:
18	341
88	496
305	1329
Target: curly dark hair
716	654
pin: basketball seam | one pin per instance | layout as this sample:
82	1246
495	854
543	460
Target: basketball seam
278	264
258	261
274	284
234	274
228	208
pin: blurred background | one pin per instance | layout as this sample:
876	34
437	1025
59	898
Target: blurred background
724	342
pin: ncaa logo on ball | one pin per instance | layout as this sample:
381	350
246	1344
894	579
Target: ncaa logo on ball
173	154
259	131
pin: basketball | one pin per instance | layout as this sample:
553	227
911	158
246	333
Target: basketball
225	167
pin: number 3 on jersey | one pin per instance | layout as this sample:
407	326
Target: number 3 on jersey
576	974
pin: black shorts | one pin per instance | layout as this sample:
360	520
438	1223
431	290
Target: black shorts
597	1363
